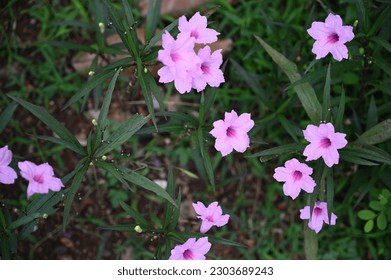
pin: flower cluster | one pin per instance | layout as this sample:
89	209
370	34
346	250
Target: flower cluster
40	177
324	143
194	249
182	65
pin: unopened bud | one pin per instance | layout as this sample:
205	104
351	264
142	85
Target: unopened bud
104	157
45	216
91	73
91	163
145	70
94	122
101	27
138	229
355	23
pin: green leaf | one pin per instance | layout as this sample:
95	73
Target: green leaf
24	220
278	151
366	215
158	36
133	40
112	169
126	227
72	192
380	41
341	111
150	81
98	79
372	118
6	115
326	95
383	65
168	206
368	226
122	134
144	182
52	123
143	223
71	46
381	221
305	92
146	90
153	17
377	134
362	15
206	158
376	205
211	238
330	193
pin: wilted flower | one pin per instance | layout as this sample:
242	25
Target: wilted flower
191	249
41	178
180	62
296	176
331	37
318	217
210	68
210	216
7	174
196	28
231	133
324	143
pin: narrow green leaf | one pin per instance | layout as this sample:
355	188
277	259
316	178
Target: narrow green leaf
6	115
150	80
383	64
133	40
121	134
71	46
380	41
72	192
377	134
24	220
158	36
52	123
277	151
362	15
168	206
176	212
61	142
143	223
372	118
153	17
326	95
126	227
330	193
305	92
341	111
213	239
112	169
98	78
144	182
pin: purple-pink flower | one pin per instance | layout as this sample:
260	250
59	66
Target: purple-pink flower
41	178
318	217
210	69
296	176
210	216
196	28
7	174
324	142
181	63
231	133
331	37
191	249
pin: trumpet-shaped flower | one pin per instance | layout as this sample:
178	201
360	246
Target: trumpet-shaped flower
196	28
231	133
296	176
318	217
210	216
324	143
41	178
210	68
181	63
7	174
331	37
191	249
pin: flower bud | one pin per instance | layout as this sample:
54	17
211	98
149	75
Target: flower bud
91	73
138	229
94	122
104	157
101	27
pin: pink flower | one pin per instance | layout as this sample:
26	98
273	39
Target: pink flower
331	37
296	176
41	178
191	249
231	133
210	216
324	143
210	68
318	217
181	63
196	28
7	174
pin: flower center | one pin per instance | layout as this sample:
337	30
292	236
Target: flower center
325	143
210	218
230	132
38	178
188	254
317	211
175	57
194	33
297	175
333	38
205	68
